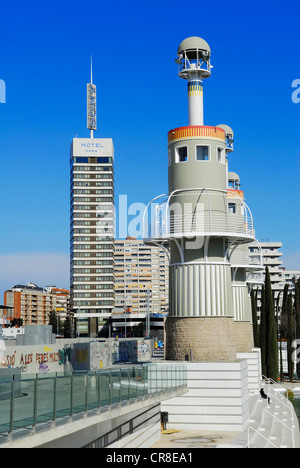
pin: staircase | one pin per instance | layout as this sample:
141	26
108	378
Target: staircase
273	425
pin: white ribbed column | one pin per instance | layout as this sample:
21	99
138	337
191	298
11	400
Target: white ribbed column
200	290
241	303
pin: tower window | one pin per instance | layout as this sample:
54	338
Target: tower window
202	153
232	208
181	154
221	155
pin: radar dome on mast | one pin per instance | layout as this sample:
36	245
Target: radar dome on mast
193	55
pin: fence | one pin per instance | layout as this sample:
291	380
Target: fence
39	403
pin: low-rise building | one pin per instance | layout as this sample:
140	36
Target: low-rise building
62	301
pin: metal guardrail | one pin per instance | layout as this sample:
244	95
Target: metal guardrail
250	428
28	404
282	423
165	218
190	224
273	392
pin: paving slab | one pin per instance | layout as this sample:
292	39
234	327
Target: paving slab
196	439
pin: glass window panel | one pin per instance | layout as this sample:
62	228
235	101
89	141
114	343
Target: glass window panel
182	154
202	153
231	208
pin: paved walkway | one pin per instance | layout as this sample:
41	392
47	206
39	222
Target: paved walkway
196	439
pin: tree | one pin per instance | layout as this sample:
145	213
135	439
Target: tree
271	331
297	317
281	363
290	337
279	336
277	313
254	319
54	320
263	333
67	327
16	322
283	318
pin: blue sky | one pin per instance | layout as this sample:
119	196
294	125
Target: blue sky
45	50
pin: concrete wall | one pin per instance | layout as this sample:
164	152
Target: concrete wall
217	400
141	430
34	335
68	355
218	396
254	369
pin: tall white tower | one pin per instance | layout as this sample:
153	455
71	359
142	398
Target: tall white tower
193	58
92	226
205	225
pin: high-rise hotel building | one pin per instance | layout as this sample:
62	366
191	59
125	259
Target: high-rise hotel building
91	230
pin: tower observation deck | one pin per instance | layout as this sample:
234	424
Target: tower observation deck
207	225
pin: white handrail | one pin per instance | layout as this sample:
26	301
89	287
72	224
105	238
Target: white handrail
257	432
176	225
281	422
289	405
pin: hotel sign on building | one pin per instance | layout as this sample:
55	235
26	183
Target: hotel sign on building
92	147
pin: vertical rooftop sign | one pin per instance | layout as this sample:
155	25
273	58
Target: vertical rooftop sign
91	107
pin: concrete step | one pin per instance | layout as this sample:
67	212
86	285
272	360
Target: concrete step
272	425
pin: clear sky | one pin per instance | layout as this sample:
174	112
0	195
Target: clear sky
45	50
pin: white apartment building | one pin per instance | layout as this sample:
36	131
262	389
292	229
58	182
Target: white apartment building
289	276
141	277
271	257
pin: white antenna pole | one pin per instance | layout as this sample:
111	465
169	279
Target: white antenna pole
91	69
91	131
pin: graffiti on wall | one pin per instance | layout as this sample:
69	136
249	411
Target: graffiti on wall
74	356
143	348
17	358
133	351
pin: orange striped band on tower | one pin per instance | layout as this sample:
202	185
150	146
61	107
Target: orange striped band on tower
203	132
231	193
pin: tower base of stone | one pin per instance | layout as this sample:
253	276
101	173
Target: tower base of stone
200	339
243	337
206	338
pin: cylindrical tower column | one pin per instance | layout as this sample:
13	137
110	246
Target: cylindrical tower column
200	226
200	322
195	101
